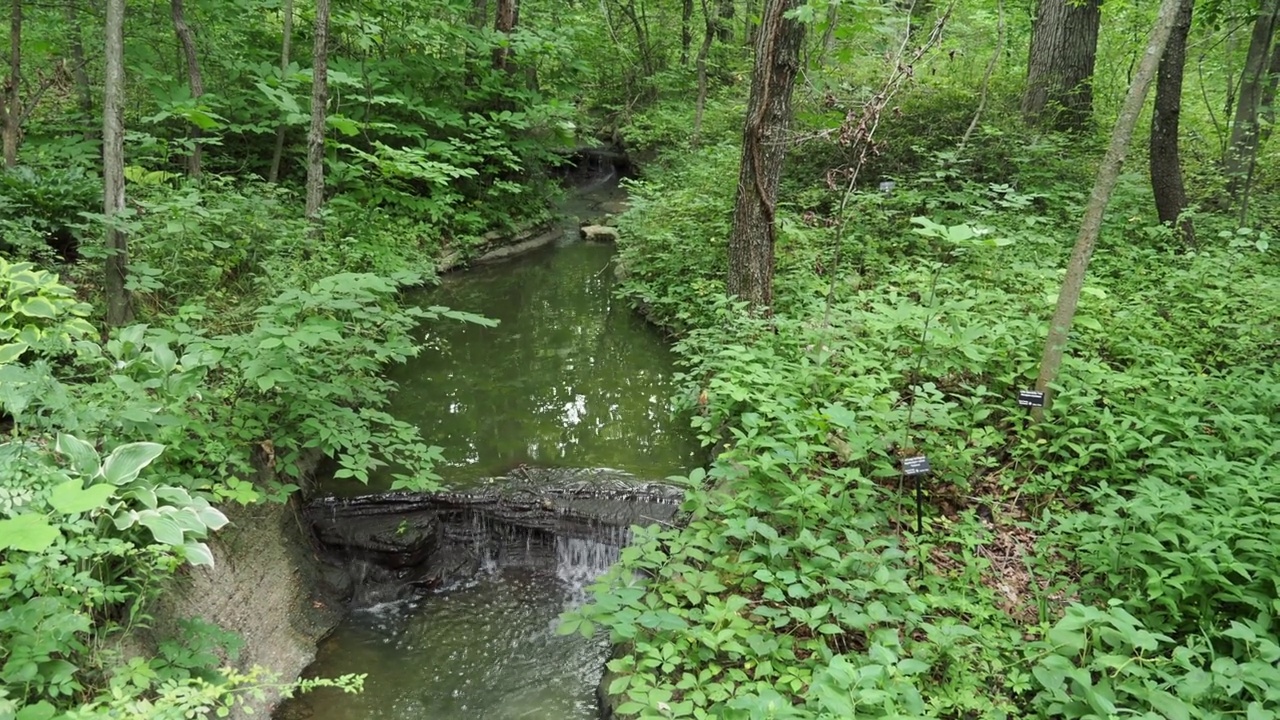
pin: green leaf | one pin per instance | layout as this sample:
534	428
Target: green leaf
84	459
37	307
11	352
29	532
163	529
125	462
72	498
39	711
198	553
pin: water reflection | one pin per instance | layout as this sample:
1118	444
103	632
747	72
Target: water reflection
569	377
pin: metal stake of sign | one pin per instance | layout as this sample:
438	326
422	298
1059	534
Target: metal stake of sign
917	467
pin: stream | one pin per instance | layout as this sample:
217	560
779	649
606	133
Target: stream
569	378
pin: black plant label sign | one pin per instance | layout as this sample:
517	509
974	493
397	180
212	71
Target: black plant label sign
1030	398
915	465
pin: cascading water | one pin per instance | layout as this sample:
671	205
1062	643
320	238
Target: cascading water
569	378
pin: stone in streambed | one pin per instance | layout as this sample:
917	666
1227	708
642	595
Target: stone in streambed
599	233
394	541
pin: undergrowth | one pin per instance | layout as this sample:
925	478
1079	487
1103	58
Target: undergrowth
1116	559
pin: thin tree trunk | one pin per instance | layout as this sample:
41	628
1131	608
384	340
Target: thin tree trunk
319	102
829	34
986	75
1166	165
1243	145
78	73
1064	46
504	24
1104	184
725	11
286	48
479	13
708	37
764	148
13	88
119	307
188	41
686	32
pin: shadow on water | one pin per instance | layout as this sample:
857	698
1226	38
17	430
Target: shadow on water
570	377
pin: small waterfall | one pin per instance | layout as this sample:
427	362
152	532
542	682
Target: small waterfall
581	561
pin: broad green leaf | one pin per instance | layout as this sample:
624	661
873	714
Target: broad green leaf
29	532
37	307
84	459
11	352
72	498
164	529
39	711
125	462
198	553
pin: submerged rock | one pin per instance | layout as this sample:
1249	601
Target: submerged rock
599	233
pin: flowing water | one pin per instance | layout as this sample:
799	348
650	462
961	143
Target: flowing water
570	377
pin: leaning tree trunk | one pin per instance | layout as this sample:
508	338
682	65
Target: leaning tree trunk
764	147
1064	45
1243	146
119	307
1165	163
194	78
319	102
286	48
1268	112
1104	184
13	90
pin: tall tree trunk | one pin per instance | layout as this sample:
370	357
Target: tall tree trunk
686	32
76	44
725	11
319	103
1166	165
1268	112
479	13
1243	145
119	307
1104	184
504	23
708	37
286	48
1064	45
764	147
829	34
188	41
13	88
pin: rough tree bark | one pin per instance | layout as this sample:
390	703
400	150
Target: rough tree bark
11	107
504	23
1104	184
319	102
194	78
1064	45
119	307
1165	163
764	147
286	48
1243	146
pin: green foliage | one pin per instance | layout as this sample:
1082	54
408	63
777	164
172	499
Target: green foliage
791	590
